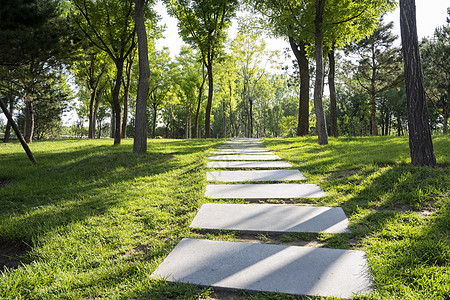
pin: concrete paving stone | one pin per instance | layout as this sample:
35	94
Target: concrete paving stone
243	157
240	146
263	191
270	218
248	164
248	152
258	175
271	268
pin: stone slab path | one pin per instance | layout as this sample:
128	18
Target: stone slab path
263	191
255	176
263	267
244	157
248	164
270	218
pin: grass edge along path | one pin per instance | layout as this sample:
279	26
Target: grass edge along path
98	220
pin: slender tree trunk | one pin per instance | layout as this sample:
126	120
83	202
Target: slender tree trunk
116	103
303	105
29	122
209	68
373	111
420	142
321	125
127	85
224	119
155	109
8	124
331	85
113	122
199	102
17	131
91	129
250	117
446	112
140	127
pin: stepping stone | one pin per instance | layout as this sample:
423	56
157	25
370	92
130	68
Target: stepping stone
260	175
271	268
248	164
244	157
243	146
263	191
271	218
249	152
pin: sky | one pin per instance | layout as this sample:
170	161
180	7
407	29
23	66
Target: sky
430	14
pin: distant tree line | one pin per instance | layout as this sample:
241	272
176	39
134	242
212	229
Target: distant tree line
100	57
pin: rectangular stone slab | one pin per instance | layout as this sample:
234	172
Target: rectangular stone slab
248	164
241	146
243	157
248	152
263	191
270	218
271	268
258	175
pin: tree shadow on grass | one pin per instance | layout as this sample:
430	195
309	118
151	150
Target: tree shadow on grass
71	186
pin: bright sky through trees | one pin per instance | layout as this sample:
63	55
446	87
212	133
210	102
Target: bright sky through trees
430	14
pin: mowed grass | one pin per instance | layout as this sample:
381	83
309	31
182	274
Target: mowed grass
96	220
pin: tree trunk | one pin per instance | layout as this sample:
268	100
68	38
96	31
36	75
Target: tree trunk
321	125
250	117
29	122
420	142
8	124
140	126
17	131
197	113
373	111
91	129
127	85
209	68
113	122
116	103
331	85
224	120
303	105
155	109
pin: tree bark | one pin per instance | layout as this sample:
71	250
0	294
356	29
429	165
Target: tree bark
29	122
209	68
250	130
116	103
155	109
420	142
321	125
140	126
17	131
127	86
303	104
331	85
199	102
91	130
8	124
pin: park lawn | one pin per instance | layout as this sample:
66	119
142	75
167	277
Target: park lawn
93	220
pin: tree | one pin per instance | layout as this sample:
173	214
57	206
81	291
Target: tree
108	24
160	82
90	71
281	18
379	66
203	25
436	67
140	129
420	143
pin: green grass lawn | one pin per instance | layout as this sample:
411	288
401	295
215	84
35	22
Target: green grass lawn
92	221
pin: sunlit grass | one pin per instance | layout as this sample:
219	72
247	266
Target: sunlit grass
97	219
